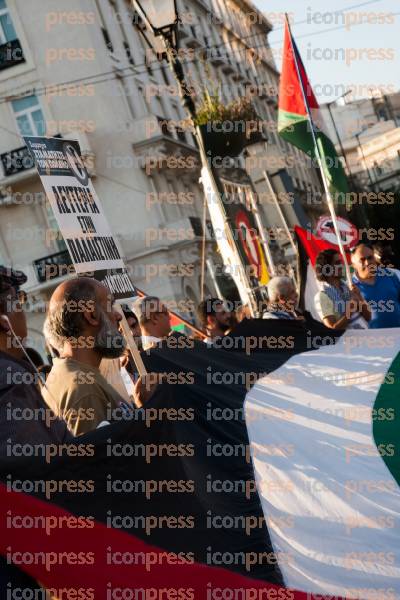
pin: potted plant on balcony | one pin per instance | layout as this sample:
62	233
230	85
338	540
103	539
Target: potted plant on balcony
227	129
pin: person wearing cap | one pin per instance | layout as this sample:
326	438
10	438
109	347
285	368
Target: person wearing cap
379	287
25	420
18	382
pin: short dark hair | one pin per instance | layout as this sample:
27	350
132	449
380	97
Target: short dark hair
208	308
128	313
10	280
384	251
353	249
324	260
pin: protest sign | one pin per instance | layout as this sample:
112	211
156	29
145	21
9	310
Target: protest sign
79	213
82	221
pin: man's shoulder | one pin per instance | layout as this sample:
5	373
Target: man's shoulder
9	368
73	383
69	381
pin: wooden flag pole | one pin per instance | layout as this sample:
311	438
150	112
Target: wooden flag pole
320	163
130	341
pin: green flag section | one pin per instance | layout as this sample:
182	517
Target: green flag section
293	122
324	440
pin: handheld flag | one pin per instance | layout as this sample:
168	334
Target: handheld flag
293	119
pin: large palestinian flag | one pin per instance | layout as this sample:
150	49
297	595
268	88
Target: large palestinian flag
293	121
265	469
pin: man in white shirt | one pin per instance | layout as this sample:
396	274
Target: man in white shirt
283	299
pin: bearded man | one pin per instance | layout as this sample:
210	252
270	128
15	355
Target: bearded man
82	324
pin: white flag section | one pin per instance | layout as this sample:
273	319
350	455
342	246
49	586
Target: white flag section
228	253
324	443
79	214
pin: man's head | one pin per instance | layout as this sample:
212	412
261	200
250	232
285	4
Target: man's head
81	315
363	261
132	321
282	293
329	265
153	316
213	315
12	316
384	254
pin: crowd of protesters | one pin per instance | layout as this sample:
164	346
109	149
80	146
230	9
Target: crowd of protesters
92	374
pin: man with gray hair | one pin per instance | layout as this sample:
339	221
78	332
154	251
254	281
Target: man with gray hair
154	320
283	299
82	325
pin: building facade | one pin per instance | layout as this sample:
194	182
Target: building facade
86	73
367	131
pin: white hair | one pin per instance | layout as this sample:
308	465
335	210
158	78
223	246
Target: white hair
279	286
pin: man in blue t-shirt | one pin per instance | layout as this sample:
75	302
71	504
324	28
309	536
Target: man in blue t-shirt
379	286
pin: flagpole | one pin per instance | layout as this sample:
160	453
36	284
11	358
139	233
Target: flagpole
319	159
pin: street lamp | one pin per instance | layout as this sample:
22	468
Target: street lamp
160	16
366	167
161	19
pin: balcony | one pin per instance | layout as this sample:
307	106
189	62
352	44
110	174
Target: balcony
17	161
53	266
192	39
228	67
18	165
11	54
216	56
158	141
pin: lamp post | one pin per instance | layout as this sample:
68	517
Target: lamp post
162	19
371	181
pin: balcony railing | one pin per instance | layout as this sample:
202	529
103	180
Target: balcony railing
16	161
53	266
11	54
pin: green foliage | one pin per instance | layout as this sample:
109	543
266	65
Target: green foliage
211	109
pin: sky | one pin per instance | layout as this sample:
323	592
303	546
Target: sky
355	44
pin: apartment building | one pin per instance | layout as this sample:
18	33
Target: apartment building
368	130
85	72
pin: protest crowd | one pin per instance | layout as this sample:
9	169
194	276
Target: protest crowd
267	400
92	373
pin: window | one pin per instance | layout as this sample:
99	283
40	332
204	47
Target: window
29	116
7	31
53	227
